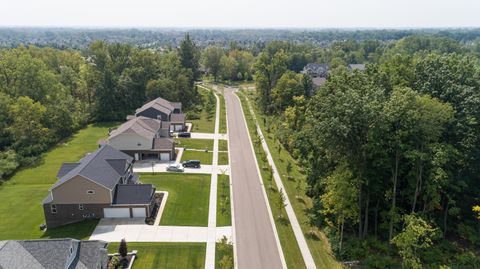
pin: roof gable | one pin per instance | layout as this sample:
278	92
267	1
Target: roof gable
143	126
159	104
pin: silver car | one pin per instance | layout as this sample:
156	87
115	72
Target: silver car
175	167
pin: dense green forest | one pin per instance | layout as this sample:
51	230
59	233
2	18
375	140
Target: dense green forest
47	94
392	153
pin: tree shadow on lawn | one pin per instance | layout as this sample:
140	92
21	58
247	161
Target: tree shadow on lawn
80	230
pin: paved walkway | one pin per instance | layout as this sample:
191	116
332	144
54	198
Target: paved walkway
209	136
297	230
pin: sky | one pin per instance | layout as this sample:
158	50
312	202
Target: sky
241	13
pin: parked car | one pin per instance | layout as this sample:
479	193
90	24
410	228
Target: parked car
175	167
191	164
184	134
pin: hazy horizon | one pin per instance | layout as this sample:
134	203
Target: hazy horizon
246	14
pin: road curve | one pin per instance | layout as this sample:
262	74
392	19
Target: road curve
256	244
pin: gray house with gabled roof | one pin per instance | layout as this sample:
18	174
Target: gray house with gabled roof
100	185
164	110
144	138
53	254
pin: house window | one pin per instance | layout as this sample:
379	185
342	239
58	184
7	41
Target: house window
53	209
90	192
80	207
139	144
71	250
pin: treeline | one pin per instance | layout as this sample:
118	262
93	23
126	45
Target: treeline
252	39
47	94
391	153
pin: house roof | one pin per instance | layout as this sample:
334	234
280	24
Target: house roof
177	118
176	105
103	166
158	104
318	81
163	143
360	67
142	126
65	168
53	254
133	194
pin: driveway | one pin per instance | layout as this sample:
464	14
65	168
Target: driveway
146	167
208	136
257	244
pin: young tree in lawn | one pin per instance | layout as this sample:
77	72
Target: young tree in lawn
122	249
280	202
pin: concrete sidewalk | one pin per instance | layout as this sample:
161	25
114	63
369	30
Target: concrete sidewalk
209	136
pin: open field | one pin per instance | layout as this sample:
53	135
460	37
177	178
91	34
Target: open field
188	197
165	255
22	195
202	156
204	124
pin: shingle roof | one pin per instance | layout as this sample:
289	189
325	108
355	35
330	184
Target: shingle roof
177	118
53	254
159	104
102	166
163	143
142	126
133	194
65	168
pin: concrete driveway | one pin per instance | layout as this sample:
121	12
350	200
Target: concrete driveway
146	167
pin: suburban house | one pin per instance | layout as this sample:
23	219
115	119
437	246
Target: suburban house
100	185
164	110
360	67
53	254
144	138
316	70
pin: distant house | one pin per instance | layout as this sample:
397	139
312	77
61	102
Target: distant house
144	138
360	67
164	110
101	185
53	254
316	70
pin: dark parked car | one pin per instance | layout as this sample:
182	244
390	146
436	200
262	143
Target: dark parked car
191	164
184	134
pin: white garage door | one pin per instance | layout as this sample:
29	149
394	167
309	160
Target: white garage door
116	212
165	156
178	127
139	212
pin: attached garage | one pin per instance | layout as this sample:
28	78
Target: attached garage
165	156
116	212
139	212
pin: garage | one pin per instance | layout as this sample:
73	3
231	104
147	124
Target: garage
116	212
139	212
178	127
165	156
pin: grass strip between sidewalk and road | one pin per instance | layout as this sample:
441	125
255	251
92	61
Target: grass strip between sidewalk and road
224	216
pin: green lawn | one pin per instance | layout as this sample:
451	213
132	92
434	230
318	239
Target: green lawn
165	255
188	197
202	156
191	143
223	115
204	124
319	247
222	145
21	211
222	158
224	218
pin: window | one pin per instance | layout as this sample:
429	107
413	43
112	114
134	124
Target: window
139	144
71	250
53	208
90	192
80	207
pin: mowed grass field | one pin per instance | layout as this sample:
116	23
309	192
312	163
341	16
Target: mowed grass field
166	255
202	156
204	124
21	197
188	197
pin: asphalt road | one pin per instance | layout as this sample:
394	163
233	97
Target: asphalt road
255	239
